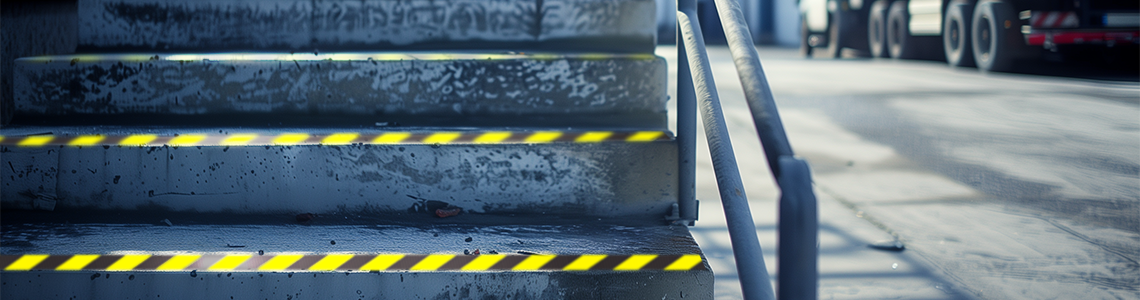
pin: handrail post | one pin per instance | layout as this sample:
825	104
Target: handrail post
686	129
755	283
798	248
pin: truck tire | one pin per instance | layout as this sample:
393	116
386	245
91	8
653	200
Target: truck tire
805	45
991	36
877	29
956	38
898	32
835	36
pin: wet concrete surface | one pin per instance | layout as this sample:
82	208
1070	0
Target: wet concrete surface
313	25
631	180
377	85
1001	186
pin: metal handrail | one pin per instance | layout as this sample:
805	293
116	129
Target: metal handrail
798	251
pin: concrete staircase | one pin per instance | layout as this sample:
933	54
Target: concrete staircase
389	149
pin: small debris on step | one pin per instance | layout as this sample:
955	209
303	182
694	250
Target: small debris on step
448	211
305	218
167	222
469	239
889	245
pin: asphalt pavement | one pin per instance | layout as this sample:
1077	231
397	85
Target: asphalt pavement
1001	186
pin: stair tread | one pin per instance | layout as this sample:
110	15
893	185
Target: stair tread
626	90
625	25
619	179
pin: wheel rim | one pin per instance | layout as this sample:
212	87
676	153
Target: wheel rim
985	39
877	34
955	36
895	34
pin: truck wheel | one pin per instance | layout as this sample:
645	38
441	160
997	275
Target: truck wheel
898	32
990	36
835	39
956	35
877	29
805	45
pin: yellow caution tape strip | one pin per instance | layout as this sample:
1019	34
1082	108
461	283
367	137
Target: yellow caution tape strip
341	138
351	262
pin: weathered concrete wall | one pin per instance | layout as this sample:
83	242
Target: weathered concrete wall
604	179
32	28
389	85
593	25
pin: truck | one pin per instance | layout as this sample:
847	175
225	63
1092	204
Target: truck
989	34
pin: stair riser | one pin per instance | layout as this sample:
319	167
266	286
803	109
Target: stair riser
69	85
603	180
336	25
384	285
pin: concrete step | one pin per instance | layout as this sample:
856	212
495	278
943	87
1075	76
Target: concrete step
608	176
585	261
462	89
212	25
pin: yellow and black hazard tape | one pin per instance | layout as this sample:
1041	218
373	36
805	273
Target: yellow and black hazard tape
341	138
253	262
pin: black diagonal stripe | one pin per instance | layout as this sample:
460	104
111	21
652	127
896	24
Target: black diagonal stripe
517	137
254	262
51	262
103	262
700	266
508	262
416	137
367	138
153	262
161	140
312	139
559	262
111	140
610	262
356	262
660	262
458	262
407	262
262	139
305	262
204	262
568	136
6	260
620	136
467	137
